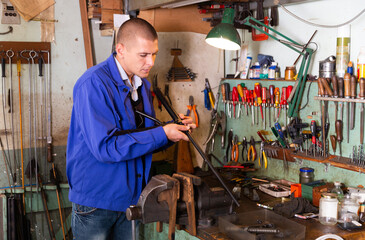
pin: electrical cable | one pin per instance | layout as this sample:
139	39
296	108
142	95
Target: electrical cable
309	87
321	25
329	236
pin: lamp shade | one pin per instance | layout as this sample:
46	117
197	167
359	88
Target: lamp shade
224	35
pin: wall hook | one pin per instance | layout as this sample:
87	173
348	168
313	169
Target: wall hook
9	31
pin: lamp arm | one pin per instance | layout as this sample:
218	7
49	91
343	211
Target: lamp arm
304	66
248	21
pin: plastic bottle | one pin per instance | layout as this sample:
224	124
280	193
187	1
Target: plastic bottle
245	72
265	72
272	70
361	63
342	50
256	70
337	189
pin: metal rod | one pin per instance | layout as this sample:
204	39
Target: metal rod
177	120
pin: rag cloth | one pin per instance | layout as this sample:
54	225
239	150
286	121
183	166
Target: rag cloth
296	205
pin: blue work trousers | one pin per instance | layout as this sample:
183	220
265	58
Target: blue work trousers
89	223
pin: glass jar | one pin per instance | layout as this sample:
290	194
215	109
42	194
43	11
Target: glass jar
337	189
348	209
328	209
306	175
289	73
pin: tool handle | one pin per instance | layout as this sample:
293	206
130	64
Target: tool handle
340	87
223	90
289	89
281	141
313	131
3	67
346	83
328	91
338	126
362	87
261	137
258	93
40	66
283	96
240	91
264	95
277	97
353	85
272	96
333	142
320	87
234	95
228	90
49	152
280	131
246	95
334	82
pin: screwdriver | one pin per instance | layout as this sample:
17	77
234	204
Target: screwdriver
272	101
254	101
283	103
314	135
246	93
250	94
277	102
306	135
223	90
258	92
362	96
234	100
289	89
338	126
228	98
240	93
346	82
334	82
340	95
264	105
353	85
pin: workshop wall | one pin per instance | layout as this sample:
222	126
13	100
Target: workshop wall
67	64
322	12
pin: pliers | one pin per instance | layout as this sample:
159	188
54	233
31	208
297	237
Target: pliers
244	148
263	155
251	155
192	107
234	152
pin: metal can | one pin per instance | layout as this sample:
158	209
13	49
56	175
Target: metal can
306	175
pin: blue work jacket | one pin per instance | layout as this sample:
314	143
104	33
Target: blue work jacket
106	171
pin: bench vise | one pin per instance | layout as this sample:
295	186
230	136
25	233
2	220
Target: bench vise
182	199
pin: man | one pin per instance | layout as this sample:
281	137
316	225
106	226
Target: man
107	171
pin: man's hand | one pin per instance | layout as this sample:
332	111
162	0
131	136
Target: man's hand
174	132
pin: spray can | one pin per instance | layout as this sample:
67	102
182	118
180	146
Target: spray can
342	50
361	63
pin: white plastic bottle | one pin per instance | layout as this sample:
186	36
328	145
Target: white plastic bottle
272	70
361	63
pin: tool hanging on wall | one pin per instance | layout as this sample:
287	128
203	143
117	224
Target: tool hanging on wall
10	54
6	131
177	72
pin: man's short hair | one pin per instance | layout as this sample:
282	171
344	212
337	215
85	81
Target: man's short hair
134	27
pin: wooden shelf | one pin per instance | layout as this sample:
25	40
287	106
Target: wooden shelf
291	156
